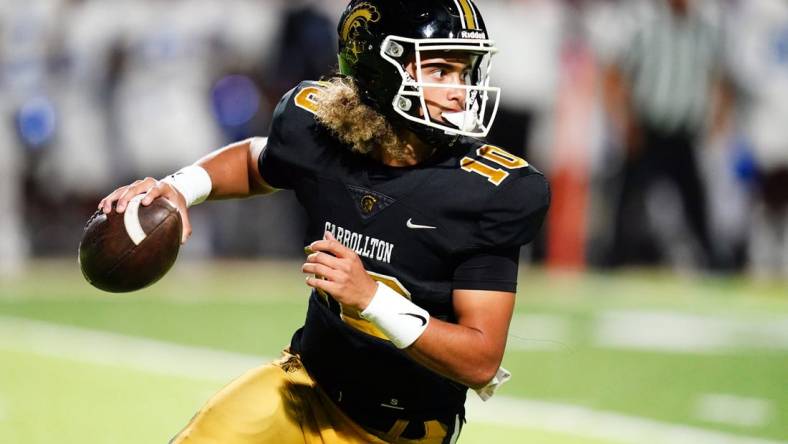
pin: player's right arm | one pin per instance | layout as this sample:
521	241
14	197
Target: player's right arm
233	172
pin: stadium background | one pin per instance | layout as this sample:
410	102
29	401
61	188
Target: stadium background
647	337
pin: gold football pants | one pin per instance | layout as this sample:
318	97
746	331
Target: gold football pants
279	403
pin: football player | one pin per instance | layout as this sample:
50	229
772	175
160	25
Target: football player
414	230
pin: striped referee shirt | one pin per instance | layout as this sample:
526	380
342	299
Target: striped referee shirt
672	62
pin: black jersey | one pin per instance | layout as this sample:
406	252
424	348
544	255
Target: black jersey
455	221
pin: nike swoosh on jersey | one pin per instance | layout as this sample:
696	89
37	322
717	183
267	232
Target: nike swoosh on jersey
413	226
419	317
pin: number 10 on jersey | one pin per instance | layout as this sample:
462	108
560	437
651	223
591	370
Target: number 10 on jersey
497	156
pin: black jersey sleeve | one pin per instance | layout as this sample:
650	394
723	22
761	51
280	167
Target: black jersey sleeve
291	152
494	270
511	218
515	213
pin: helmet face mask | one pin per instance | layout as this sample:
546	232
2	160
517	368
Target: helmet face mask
383	46
481	100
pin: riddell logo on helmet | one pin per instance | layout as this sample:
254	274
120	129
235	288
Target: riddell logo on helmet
473	35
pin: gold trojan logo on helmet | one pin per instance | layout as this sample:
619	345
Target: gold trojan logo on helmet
357	21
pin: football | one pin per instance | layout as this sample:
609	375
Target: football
129	251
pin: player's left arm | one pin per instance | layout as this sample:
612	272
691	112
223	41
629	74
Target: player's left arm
470	351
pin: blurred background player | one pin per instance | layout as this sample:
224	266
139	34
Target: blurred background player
28	120
759	60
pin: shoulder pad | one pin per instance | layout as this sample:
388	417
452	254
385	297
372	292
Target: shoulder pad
293	149
299	101
515	212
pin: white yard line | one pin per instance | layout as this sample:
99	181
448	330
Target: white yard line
99	347
675	332
148	355
586	422
737	410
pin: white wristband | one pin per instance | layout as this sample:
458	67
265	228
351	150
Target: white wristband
399	319
193	182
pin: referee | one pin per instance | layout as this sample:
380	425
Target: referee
659	93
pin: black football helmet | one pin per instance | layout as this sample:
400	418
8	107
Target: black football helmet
377	40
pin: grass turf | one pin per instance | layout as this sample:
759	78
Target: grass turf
254	307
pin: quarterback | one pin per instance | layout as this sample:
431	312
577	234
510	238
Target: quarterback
413	238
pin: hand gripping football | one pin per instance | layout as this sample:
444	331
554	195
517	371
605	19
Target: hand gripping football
126	252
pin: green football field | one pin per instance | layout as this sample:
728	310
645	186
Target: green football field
638	357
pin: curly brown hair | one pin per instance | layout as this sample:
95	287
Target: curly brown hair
365	130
